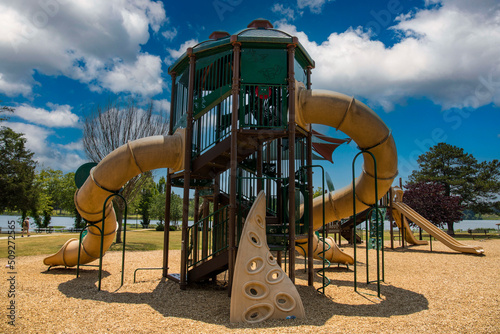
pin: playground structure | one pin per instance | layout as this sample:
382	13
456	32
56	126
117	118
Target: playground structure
240	135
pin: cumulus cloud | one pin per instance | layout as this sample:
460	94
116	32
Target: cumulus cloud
82	39
64	157
58	117
36	136
142	77
448	53
170	34
315	6
163	106
287	13
174	54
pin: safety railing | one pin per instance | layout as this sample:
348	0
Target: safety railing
208	236
263	106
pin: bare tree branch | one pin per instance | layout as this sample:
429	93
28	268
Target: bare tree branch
109	127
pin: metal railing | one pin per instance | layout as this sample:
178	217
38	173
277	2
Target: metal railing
263	106
208	236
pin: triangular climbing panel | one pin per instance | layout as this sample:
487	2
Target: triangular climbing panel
261	290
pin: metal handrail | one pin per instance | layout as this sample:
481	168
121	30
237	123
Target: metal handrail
194	229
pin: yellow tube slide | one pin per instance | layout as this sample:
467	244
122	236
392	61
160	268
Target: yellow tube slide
333	254
370	133
109	175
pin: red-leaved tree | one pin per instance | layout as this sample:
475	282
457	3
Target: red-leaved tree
430	201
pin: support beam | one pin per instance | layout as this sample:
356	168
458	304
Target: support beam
310	250
168	185
291	159
233	162
187	169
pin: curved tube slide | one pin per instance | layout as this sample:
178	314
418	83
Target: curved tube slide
108	176
334	254
360	123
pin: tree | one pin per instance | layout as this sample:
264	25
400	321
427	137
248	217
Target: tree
175	208
430	201
158	207
17	172
477	184
113	125
67	189
42	203
146	200
5	109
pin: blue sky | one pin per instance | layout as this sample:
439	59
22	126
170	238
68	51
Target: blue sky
430	69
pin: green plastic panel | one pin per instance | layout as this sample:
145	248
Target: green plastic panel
264	66
82	173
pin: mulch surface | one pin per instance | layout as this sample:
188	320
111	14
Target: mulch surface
424	292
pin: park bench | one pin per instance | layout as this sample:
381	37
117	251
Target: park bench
478	235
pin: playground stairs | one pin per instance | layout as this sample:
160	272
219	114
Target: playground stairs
217	158
209	269
347	227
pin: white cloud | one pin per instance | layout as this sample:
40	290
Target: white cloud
174	54
36	136
142	77
10	88
454	61
287	12
315	6
64	157
81	39
58	117
162	106
74	146
169	34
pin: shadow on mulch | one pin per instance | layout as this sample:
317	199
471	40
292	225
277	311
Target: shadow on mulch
210	303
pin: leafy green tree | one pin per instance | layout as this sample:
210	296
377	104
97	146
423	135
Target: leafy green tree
17	172
67	191
477	184
161	185
148	193
5	109
175	208
318	192
158	207
41	202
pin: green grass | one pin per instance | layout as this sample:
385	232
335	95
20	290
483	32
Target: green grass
50	244
139	241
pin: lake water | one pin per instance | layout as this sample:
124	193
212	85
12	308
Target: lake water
68	222
65	222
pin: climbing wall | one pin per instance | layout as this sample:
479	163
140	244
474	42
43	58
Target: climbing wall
261	290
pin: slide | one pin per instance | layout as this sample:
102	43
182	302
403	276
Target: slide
409	236
329	108
360	123
110	175
334	254
401	208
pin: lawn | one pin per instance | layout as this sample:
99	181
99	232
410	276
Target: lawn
142	240
42	244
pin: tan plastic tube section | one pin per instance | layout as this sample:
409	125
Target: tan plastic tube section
333	253
112	173
359	122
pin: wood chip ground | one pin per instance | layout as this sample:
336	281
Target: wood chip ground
424	292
